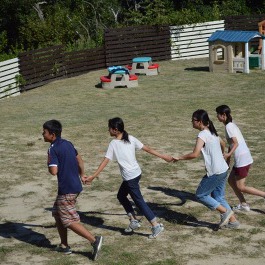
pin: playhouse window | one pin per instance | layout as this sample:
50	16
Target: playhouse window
219	54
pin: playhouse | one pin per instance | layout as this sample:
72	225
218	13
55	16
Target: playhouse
234	51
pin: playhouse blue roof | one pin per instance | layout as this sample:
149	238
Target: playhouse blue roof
234	36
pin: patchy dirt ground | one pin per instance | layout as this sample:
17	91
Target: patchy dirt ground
27	191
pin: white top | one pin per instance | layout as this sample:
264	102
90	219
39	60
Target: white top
124	153
242	153
212	153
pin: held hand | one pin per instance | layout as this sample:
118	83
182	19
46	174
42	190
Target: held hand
168	158
84	179
228	160
226	156
175	159
89	180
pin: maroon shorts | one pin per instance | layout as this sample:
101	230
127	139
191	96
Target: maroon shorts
241	172
65	210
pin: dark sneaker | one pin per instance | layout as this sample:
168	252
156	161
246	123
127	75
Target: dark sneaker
225	217
97	246
156	230
63	249
134	224
232	225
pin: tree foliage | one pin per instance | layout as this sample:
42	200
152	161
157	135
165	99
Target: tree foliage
31	24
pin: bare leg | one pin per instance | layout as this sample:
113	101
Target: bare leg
240	183
82	231
62	232
233	183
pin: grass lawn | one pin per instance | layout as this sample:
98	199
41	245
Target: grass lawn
157	112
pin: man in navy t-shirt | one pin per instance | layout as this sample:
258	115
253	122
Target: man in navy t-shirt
64	156
65	162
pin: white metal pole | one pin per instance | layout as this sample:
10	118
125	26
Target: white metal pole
246	70
263	55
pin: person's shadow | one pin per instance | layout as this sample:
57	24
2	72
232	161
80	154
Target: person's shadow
23	232
90	219
160	210
177	217
182	195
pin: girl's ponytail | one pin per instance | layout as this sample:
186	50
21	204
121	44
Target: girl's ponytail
117	123
125	137
212	128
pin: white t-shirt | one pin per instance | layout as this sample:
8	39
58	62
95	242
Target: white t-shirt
124	153
242	153
212	153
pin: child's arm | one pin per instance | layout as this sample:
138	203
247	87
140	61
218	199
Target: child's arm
81	168
53	170
222	143
102	165
231	150
196	151
155	153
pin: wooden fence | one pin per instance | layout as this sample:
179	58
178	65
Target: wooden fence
80	62
9	77
122	45
38	67
190	41
42	66
243	22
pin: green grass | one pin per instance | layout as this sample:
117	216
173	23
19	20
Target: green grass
158	112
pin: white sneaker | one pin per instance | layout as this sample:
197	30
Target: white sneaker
241	207
225	217
134	224
156	230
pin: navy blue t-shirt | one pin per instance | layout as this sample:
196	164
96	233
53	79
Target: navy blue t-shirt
63	155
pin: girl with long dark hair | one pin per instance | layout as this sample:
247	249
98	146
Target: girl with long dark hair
242	159
211	190
122	148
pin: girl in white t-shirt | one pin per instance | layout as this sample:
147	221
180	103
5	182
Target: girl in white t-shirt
122	149
211	190
242	159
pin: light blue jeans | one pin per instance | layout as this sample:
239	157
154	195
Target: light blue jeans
211	191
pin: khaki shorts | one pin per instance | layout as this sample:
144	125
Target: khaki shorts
64	209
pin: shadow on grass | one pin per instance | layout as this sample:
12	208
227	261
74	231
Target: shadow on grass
177	217
99	85
160	210
88	218
198	69
92	220
182	195
258	211
23	232
180	218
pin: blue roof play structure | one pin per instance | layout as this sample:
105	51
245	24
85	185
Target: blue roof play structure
232	51
234	36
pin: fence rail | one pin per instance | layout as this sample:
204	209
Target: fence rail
9	72
121	45
190	41
243	22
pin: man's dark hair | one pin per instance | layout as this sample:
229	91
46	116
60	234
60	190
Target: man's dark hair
53	126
